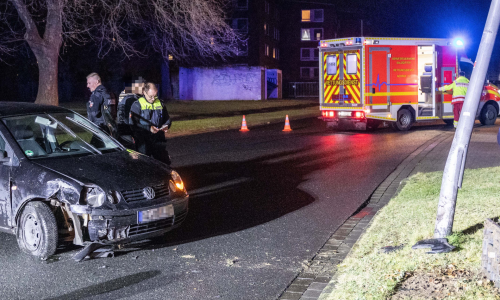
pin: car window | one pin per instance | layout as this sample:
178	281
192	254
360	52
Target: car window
59	134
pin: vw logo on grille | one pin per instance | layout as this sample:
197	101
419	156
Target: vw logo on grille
148	192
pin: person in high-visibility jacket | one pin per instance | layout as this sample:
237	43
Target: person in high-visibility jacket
150	121
459	87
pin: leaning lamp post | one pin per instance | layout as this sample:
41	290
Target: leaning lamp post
455	164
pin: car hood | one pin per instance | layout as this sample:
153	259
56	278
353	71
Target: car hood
123	170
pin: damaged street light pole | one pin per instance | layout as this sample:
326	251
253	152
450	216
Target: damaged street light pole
455	164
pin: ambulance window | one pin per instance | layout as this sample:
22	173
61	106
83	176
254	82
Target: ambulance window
331	65
352	64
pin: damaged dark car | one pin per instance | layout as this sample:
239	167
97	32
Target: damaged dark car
63	180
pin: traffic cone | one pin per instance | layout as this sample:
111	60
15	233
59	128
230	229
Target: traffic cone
287	125
244	125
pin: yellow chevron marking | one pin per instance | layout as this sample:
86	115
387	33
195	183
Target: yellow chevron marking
494	93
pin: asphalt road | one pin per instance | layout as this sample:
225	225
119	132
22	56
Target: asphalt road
262	204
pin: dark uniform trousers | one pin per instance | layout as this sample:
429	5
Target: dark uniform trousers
154	145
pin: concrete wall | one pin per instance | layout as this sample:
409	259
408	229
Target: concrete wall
228	83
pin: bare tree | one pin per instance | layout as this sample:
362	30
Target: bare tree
181	28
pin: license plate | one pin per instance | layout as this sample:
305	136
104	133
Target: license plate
155	214
344	113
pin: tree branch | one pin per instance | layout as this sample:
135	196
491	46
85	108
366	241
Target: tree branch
31	34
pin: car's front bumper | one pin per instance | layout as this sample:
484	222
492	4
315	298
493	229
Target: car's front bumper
118	227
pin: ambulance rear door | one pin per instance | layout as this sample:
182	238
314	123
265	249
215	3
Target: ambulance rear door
342	78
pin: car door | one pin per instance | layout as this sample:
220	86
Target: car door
5	195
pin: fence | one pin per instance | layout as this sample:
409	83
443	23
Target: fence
303	89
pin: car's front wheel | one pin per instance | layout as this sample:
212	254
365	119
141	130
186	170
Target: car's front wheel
37	230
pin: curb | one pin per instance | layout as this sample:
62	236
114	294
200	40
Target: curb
318	279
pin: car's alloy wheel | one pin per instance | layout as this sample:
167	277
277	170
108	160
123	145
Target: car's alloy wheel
37	230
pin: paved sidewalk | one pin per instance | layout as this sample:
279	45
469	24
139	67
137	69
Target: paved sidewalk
318	279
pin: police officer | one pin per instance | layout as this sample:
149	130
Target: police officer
459	87
99	101
149	121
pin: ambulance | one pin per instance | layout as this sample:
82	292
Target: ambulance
366	81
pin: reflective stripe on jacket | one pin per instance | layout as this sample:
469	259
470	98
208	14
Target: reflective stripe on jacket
143	114
459	87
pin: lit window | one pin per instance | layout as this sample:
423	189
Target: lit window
170	57
311	34
306	16
318	34
266	50
274	52
352	64
306	35
313	15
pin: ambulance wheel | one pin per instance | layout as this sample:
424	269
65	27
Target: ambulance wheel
449	122
488	115
404	120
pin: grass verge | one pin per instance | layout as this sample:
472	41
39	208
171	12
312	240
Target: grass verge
410	217
234	122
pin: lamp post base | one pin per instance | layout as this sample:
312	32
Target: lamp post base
436	245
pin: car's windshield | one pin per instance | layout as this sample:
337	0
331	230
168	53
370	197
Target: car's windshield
58	134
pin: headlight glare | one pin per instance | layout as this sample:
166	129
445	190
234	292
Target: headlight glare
176	184
95	196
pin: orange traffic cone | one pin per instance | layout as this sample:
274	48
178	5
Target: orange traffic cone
244	125
287	125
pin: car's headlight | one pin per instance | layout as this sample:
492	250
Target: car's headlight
95	196
176	184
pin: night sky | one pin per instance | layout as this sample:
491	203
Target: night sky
437	19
